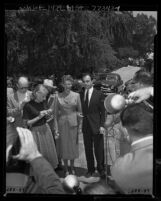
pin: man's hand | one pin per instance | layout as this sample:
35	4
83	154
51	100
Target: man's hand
28	150
141	94
102	130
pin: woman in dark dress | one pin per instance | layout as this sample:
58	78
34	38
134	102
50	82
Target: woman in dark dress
34	114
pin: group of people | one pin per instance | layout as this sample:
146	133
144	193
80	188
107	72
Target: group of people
49	126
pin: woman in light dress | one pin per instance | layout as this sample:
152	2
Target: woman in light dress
68	123
117	139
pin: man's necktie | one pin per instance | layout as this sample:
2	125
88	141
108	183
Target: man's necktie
86	98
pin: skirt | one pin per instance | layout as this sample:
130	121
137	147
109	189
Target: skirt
45	143
67	143
46	146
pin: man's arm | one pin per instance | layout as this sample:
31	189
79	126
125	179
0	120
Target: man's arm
46	177
12	111
44	174
102	110
142	94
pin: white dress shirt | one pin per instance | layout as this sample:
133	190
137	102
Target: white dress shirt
90	91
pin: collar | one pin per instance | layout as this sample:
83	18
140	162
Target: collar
142	139
89	90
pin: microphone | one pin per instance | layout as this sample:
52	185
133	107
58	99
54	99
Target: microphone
71	184
114	103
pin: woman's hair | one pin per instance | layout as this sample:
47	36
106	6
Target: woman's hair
67	78
37	88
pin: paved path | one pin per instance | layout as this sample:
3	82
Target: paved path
127	72
81	161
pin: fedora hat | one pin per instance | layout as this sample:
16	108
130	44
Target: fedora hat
48	83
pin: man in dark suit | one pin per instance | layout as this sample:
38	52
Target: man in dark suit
134	171
93	121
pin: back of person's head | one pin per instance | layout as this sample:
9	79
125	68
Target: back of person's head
98	188
137	120
143	77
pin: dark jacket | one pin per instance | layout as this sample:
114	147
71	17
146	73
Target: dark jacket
95	112
134	171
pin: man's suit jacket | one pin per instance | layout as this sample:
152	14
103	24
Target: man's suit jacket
95	112
13	111
134	172
13	108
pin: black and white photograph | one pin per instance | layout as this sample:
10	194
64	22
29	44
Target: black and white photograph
80	100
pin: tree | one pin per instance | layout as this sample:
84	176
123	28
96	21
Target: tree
144	33
53	42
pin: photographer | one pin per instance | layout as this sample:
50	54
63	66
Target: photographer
45	177
142	94
134	171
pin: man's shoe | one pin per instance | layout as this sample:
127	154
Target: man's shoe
59	167
102	174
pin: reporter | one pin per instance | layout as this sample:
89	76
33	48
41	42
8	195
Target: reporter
34	115
15	103
134	171
142	94
45	177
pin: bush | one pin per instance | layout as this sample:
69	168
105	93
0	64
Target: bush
126	52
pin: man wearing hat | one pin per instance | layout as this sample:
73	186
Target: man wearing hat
50	103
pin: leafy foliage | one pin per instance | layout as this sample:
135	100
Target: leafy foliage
54	42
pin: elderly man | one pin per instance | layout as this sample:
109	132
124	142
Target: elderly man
134	171
17	99
93	130
15	102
